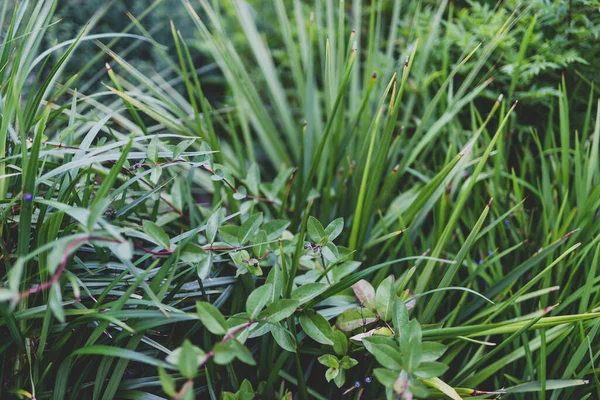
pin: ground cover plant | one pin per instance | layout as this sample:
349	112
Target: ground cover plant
346	201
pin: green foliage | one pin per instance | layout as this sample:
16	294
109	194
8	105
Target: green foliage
163	241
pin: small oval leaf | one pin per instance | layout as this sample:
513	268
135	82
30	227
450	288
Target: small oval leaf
317	327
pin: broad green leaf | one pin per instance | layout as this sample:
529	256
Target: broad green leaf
224	353
334	229
340	343
431	351
167	382
260	247
400	316
315	230
284	338
382	331
240	193
181	147
187	363
193	253
246	388
152	150
340	379
241	352
347	362
417	388
123	250
365	294
329	360
317	327
386	377
156	174
385	297
430	369
280	309
257	300
331	373
410	345
173	358
354	318
219	175
308	291
230	234
212	225
275	228
385	352
260	329
249	228
211	318
275	278
330	252
157	234
203	267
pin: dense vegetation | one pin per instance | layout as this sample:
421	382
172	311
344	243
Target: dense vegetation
300	199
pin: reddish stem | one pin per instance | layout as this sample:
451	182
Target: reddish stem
76	242
63	264
154	253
